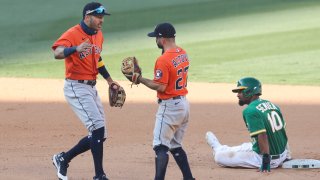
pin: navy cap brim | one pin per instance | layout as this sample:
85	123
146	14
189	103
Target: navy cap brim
152	34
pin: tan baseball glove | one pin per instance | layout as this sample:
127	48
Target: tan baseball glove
131	69
117	95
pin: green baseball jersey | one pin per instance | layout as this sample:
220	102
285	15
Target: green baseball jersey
263	116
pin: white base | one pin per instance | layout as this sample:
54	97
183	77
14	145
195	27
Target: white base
301	164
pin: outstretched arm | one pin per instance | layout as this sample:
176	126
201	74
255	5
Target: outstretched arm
152	85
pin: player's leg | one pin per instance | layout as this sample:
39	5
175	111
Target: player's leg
162	135
161	161
234	156
176	118
61	160
160	144
86	103
177	151
98	137
82	146
181	159
96	145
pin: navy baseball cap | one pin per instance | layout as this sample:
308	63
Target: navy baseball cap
94	8
165	30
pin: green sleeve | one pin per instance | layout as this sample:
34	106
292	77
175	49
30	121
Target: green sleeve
255	123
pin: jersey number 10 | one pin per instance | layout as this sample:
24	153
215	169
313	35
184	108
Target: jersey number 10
275	121
180	82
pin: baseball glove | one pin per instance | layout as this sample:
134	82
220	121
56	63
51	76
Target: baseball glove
117	95
131	69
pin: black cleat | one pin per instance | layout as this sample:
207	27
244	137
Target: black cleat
61	165
101	177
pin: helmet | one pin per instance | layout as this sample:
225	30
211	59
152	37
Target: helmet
249	86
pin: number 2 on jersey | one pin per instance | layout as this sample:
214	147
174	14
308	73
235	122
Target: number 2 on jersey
275	121
181	82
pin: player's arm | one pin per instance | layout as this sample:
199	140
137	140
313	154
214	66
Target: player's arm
62	52
152	85
263	143
258	131
104	72
264	149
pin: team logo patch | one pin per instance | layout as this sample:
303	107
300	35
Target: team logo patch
158	74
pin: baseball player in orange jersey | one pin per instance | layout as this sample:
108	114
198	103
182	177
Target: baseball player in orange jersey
81	46
170	82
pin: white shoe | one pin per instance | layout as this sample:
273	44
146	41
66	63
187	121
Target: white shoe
212	140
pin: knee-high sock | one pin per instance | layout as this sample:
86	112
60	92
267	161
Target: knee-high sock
181	159
96	145
82	146
161	161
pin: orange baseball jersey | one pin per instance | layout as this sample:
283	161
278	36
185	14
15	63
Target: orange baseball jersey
171	69
84	65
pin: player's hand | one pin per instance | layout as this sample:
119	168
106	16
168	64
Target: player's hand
114	85
84	46
265	166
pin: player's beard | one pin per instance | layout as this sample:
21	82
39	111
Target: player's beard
160	46
94	26
241	103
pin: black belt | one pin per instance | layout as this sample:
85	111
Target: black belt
88	82
275	156
176	97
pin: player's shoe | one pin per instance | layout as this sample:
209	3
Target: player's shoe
212	140
61	165
101	177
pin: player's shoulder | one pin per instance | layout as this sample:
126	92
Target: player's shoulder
73	31
74	28
251	108
163	58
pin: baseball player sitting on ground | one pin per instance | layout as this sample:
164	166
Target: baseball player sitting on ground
81	46
264	120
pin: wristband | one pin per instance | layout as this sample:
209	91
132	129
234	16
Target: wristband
69	50
266	159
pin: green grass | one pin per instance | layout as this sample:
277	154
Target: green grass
273	40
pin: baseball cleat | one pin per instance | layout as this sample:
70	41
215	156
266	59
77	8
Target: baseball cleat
101	177
212	140
61	166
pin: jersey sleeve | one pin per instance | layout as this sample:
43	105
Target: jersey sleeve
64	40
254	123
161	72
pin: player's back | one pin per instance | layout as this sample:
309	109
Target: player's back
273	122
172	69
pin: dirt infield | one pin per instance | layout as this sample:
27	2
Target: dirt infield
36	122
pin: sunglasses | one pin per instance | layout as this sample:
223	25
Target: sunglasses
99	10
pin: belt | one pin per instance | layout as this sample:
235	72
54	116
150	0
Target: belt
176	97
88	82
275	156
